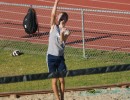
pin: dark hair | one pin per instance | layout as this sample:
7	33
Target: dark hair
63	17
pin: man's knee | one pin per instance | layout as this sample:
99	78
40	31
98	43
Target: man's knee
62	81
54	81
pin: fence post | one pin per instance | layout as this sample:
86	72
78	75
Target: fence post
83	33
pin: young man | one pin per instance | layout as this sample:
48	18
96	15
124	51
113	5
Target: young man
55	54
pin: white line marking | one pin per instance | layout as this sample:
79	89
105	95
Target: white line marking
10	20
24	38
119	3
12	28
107	16
83	6
108	31
107	23
11	12
109	38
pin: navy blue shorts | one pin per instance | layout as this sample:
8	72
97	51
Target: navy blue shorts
56	63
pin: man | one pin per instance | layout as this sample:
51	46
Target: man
55	53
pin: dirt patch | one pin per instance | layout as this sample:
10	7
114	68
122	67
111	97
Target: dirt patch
97	94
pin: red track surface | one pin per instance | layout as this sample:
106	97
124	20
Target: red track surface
105	31
107	4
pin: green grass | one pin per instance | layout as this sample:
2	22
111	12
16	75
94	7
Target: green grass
34	61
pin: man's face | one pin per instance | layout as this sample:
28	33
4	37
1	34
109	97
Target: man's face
59	16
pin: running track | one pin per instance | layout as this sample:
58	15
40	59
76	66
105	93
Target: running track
103	31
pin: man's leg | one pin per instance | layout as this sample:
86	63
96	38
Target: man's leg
55	88
62	87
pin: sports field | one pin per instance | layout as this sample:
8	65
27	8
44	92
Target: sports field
106	38
104	29
33	63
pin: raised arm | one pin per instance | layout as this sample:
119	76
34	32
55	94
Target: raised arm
53	13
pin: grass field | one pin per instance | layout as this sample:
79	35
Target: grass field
34	61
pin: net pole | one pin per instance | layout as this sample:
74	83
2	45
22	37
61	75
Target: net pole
83	33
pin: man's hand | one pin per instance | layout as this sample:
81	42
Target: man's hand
63	30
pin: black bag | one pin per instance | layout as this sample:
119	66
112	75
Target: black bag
30	23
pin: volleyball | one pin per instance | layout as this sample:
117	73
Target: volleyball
67	32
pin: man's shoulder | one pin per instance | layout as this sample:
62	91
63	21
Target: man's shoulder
53	27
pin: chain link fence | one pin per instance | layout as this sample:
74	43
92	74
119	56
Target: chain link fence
107	30
90	28
101	36
11	29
